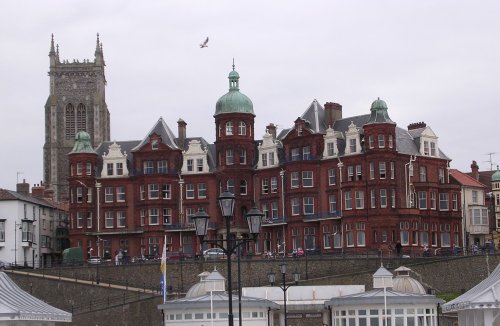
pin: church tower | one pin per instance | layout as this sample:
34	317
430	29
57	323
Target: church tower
76	102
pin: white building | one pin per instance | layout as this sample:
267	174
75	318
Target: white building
401	301
206	304
475	212
28	227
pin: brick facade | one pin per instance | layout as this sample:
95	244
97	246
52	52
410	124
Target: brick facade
328	183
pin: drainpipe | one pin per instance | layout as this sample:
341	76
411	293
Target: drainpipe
340	165
282	175
98	190
181	209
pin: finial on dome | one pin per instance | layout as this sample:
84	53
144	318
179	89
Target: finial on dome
233	64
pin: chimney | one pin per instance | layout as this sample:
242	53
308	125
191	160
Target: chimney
38	190
417	125
23	188
271	129
181	127
475	170
333	112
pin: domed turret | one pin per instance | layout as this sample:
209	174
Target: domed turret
496	175
82	143
379	112
234	101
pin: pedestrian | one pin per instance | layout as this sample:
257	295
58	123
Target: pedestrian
398	248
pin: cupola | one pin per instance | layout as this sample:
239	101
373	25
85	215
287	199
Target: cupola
82	143
234	101
379	112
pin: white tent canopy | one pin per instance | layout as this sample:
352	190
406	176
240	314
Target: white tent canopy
20	307
480	305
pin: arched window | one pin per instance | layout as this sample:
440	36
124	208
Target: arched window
242	128
70	121
229	128
81	118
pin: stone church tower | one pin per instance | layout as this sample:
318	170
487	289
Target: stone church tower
76	102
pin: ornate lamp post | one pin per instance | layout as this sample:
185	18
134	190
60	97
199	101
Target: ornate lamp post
254	219
272	279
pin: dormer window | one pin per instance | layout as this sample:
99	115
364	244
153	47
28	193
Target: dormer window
195	158
353	141
299	131
115	163
426	148
229	128
433	149
330	148
155	144
352	145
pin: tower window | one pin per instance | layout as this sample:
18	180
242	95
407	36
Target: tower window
229	128
242	128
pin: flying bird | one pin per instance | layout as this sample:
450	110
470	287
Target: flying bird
204	44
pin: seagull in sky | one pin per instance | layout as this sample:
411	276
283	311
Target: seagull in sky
204	44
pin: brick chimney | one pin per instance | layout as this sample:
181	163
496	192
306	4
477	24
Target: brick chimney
271	129
475	170
333	112
181	131
38	190
417	125
23	187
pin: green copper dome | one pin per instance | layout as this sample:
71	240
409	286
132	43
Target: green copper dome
234	101
82	143
379	112
496	175
378	104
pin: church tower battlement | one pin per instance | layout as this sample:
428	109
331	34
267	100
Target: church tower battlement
76	102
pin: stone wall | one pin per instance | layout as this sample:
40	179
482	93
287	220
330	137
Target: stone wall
445	275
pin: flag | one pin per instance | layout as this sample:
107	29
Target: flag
163	269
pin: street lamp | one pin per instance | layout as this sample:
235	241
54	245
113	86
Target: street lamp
254	219
272	279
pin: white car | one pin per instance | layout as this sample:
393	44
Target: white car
94	260
214	253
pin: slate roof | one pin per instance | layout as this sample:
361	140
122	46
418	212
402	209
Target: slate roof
482	296
406	140
16	304
6	194
161	128
465	179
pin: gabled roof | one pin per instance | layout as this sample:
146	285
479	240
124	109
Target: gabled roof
16	304
482	296
160	128
465	179
6	194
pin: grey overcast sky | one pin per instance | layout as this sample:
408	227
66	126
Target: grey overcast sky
431	61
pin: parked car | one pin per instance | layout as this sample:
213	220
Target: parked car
214	253
94	260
